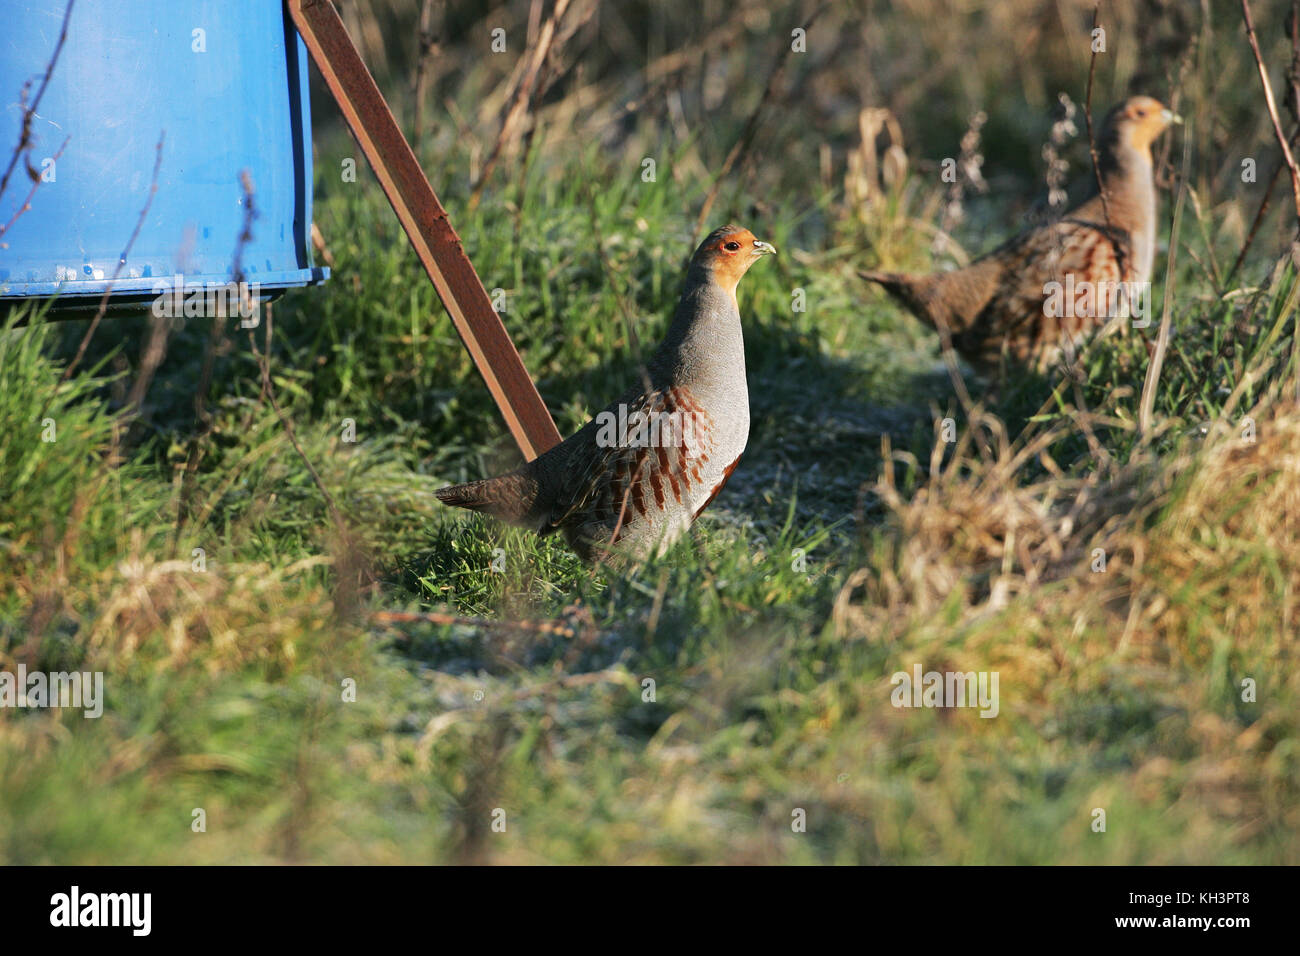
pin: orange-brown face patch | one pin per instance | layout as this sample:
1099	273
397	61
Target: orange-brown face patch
1145	118
728	253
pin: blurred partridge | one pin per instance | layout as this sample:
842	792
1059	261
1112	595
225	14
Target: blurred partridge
632	479
1008	304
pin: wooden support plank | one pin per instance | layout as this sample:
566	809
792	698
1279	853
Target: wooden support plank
426	224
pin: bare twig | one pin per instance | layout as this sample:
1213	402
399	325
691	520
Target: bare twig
31	193
1087	116
660	75
1282	140
746	138
971	412
1292	99
121	264
263	359
264	366
429	47
1259	214
29	110
1163	167
216	339
553	67
523	97
264	363
152	356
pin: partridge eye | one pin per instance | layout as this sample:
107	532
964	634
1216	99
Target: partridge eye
732	246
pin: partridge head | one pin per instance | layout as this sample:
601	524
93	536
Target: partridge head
1134	124
634	478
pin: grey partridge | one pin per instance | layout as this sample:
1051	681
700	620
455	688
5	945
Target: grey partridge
1056	283
634	478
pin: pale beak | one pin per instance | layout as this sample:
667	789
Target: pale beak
1170	117
762	247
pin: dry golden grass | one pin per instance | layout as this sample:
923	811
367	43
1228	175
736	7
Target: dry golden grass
1218	521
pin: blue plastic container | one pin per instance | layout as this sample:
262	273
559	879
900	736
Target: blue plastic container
225	83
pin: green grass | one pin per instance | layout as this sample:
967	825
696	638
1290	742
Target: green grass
770	633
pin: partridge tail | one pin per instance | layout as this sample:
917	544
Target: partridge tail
511	498
890	280
953	299
907	289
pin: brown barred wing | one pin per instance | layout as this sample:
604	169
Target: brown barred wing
637	459
1059	282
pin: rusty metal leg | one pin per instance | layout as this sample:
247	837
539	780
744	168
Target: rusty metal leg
426	224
